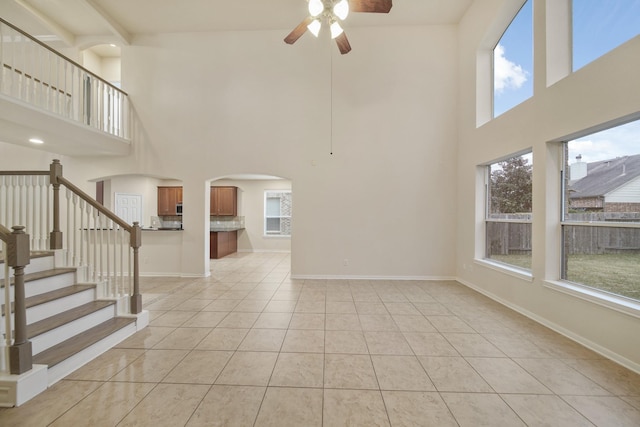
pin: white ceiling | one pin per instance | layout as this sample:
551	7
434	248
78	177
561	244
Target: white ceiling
82	23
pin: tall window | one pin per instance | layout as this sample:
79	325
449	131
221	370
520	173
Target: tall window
601	211
277	213
513	62
600	26
508	216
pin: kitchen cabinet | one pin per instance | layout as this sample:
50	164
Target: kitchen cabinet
224	201
222	243
168	199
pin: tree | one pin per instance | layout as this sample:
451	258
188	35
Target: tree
511	186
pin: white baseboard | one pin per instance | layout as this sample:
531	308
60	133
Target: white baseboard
603	351
359	277
264	251
18	389
188	276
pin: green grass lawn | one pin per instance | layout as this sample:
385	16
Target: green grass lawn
615	273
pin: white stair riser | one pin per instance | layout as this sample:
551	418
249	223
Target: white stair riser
42	311
48	284
64	332
36	265
69	365
40	264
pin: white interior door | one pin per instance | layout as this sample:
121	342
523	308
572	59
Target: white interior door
129	207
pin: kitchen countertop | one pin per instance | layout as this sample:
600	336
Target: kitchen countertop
162	229
222	230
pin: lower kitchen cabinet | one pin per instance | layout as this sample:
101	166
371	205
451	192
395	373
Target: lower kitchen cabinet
223	243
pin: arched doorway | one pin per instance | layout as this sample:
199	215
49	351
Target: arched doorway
263	221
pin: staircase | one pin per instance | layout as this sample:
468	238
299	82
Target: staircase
67	323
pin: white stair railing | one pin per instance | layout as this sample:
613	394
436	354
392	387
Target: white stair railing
84	234
26	199
32	72
98	245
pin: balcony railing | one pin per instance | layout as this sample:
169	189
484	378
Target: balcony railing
32	72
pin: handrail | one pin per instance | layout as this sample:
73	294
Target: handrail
45	173
4	233
44	45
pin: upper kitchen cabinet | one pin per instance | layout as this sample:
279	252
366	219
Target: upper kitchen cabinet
168	200
224	201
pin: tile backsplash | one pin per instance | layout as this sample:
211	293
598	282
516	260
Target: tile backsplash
227	222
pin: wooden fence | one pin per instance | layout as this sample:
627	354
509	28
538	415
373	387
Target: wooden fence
511	238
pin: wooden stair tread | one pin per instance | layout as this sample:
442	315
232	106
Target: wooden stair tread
56	354
34	254
68	316
53	295
43	274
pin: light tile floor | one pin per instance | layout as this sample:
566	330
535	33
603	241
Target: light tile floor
248	346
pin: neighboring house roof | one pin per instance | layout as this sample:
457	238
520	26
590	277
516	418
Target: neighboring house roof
606	176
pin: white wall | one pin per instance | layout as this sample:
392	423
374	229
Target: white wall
111	69
602	91
16	157
92	62
251	206
384	200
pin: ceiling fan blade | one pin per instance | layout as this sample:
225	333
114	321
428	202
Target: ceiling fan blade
298	31
343	43
375	6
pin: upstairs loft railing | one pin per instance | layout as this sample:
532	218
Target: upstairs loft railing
83	234
32	72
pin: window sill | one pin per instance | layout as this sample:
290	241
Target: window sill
276	236
620	304
507	269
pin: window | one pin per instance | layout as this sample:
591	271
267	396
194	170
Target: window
277	213
513	62
600	26
601	211
508	215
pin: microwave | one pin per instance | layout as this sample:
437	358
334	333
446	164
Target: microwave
179	209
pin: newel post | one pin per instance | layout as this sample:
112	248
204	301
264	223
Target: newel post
136	242
55	172
18	256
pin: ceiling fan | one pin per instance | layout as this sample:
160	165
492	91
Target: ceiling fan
329	13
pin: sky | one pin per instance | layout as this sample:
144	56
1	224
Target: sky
598	27
615	142
513	62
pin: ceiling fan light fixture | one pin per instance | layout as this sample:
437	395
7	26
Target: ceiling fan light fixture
315	7
341	9
336	30
314	27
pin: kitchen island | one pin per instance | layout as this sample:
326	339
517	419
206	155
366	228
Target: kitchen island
223	242
223	239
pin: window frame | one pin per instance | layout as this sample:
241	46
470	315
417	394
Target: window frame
512	269
493	113
269	194
584	290
620	40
